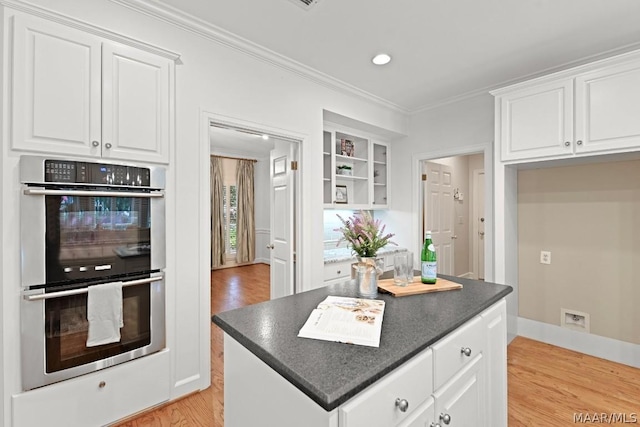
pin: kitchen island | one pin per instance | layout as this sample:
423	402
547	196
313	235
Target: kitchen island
441	354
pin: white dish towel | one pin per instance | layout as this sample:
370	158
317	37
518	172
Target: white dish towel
104	313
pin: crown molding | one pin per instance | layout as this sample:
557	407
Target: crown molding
23	6
219	35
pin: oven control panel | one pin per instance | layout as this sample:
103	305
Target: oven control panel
71	172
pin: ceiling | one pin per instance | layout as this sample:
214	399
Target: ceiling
234	143
442	49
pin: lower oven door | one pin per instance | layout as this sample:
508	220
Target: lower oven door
54	330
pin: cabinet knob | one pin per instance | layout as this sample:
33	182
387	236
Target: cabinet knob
567	143
402	404
338	272
271	246
445	418
102	384
579	142
95	143
466	351
108	145
434	425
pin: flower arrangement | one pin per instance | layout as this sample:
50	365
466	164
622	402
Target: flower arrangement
364	234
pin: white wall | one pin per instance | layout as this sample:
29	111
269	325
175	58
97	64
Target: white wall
458	128
215	78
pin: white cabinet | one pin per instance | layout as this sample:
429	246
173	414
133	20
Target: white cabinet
456	382
337	272
589	110
538	121
355	170
391	400
460	402
79	94
98	398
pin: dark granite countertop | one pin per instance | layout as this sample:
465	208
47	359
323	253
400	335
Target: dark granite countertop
330	373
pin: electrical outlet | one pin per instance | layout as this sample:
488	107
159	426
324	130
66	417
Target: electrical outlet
545	257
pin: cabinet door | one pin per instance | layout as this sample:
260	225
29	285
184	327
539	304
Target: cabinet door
608	108
495	355
462	398
380	175
56	88
422	416
135	104
538	121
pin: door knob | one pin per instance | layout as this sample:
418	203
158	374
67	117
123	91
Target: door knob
445	418
454	237
481	233
271	246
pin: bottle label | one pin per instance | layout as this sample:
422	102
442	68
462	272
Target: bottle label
431	247
429	269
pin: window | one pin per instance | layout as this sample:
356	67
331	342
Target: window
230	217
230	208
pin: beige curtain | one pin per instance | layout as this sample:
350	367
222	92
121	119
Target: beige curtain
246	231
217	213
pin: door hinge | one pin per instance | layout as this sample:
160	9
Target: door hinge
424	176
294	165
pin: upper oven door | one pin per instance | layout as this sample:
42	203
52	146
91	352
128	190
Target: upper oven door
83	234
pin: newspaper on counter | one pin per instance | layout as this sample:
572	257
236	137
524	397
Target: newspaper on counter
347	320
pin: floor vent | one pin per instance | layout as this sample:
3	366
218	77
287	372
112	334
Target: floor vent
305	4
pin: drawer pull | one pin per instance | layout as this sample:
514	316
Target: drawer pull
102	384
402	404
445	418
466	351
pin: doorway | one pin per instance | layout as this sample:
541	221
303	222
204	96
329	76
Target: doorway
452	208
275	188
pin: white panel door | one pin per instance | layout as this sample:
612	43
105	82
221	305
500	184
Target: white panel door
56	88
282	209
607	109
135	102
439	215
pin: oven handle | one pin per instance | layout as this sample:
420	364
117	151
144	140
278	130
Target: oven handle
98	193
60	294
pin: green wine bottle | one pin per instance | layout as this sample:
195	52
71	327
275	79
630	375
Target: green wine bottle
429	264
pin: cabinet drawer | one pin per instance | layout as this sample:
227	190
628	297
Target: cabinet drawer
337	270
448	356
98	398
376	406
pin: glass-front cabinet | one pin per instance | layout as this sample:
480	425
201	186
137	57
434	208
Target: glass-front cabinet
355	170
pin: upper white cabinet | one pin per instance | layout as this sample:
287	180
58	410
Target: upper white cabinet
584	111
76	93
355	170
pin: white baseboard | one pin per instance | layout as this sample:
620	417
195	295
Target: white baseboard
467	275
262	261
593	345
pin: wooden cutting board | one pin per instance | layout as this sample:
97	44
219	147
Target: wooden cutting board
416	287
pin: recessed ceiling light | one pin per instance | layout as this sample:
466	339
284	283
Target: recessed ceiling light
381	59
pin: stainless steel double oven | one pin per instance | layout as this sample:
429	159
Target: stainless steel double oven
84	224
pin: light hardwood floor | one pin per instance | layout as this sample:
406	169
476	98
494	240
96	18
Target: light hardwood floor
547	384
